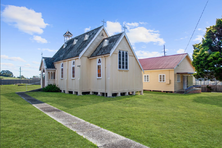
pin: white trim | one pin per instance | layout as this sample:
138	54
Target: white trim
123	52
106	31
179	77
74	68
181	61
117	43
123	34
146	78
97	67
162	78
81	54
61	70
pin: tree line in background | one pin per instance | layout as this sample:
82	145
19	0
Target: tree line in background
207	55
7	73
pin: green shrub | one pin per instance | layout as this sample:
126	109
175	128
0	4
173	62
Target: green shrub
51	88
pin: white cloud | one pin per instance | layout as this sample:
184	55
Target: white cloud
141	34
143	23
7	64
12	58
146	54
87	29
39	39
113	27
198	38
132	24
35	62
135	33
26	20
46	49
181	51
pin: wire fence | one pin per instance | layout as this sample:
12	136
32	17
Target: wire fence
31	81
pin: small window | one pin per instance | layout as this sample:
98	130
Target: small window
146	78
178	78
75	41
73	69
86	37
162	78
105	43
64	46
61	70
99	68
123	60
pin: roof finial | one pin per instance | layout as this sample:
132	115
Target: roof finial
125	28
103	22
41	54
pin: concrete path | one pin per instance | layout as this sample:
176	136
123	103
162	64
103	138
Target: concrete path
97	135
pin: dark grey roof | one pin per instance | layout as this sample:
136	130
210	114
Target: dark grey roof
71	50
49	62
100	50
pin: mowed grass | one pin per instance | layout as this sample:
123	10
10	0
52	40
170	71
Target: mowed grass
22	125
153	119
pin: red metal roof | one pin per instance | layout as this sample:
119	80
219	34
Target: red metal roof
164	62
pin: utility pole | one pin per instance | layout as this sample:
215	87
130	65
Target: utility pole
164	51
20	70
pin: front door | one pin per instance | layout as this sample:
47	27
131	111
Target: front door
185	82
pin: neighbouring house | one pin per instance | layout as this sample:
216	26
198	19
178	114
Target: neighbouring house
167	73
94	63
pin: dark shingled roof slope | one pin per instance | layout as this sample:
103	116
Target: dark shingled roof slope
49	62
71	50
100	50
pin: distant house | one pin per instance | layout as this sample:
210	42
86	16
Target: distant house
167	73
93	62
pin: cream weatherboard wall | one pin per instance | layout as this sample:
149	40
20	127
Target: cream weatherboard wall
171	83
154	83
184	66
125	80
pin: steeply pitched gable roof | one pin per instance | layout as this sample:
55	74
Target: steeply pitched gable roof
49	62
163	62
100	50
72	50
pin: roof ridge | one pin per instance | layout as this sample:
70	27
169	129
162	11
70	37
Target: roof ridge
165	56
86	32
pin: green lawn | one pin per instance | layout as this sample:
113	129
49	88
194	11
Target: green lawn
153	119
22	125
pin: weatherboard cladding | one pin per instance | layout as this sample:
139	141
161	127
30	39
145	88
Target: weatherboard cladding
164	62
72	50
100	50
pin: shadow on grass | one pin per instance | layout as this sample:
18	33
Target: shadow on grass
214	100
73	101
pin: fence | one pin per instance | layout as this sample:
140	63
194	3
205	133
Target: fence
214	88
32	81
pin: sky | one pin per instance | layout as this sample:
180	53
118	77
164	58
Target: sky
30	28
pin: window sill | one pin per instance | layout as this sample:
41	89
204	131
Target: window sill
123	69
73	78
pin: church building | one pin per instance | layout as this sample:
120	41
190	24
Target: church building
94	63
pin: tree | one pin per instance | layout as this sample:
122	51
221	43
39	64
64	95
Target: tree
6	73
207	55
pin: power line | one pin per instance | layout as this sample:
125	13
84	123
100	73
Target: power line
196	25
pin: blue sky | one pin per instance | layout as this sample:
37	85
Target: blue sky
29	28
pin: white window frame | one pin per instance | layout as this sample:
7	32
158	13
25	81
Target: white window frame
145	78
178	76
74	69
123	52
162	77
97	67
61	70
